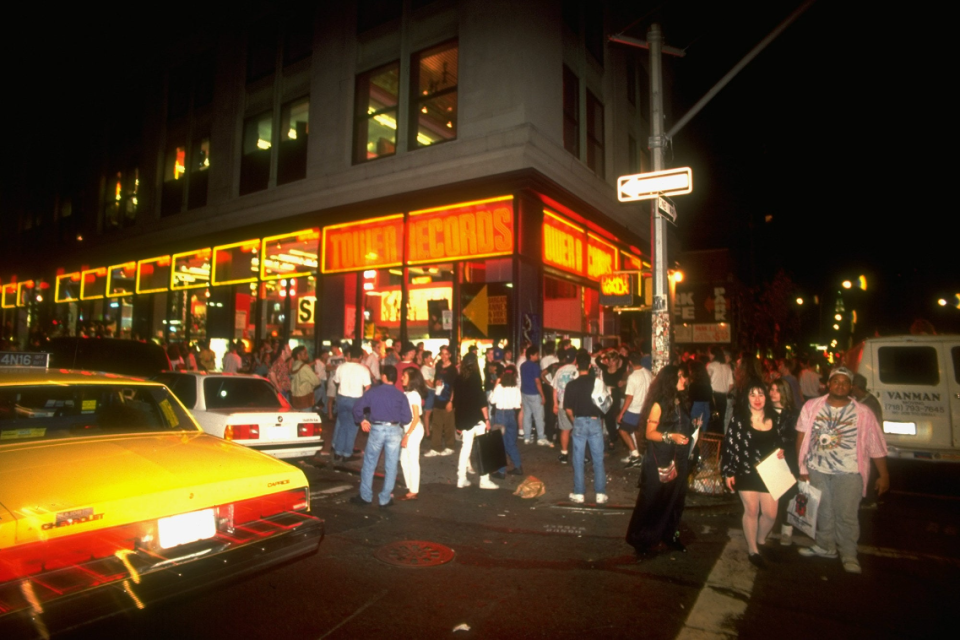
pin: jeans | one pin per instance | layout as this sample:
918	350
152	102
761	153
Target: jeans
386	438
838	518
532	411
588	432
410	459
345	433
508	418
468	435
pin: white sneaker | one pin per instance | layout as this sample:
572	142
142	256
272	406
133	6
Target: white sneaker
576	497
447	452
627	459
487	483
462	482
602	498
543	442
471	471
520	432
852	565
815	550
432	453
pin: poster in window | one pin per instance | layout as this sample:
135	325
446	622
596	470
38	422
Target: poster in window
435	316
486	310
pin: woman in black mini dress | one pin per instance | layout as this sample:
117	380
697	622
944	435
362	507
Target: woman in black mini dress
754	433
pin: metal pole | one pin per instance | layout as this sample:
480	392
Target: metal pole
660	318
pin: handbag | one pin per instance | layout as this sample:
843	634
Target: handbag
492	456
667	473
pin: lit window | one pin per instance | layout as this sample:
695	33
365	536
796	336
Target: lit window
434	100
375	134
294	130
255	163
174	167
199	175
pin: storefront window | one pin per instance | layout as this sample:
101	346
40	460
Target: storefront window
375	134
294	130
381	301
434	101
274	311
255	162
562	305
337	314
430	307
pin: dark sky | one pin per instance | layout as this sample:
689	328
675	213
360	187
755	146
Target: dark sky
840	130
837	131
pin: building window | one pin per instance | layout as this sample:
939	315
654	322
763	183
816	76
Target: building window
298	39
120	202
255	162
174	168
294	129
199	172
433	79
594	134
375	134
571	112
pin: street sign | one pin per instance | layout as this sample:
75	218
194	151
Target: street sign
667	208
646	186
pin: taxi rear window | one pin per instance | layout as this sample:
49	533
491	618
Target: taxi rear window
48	412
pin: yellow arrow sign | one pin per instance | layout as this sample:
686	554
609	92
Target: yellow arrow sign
478	311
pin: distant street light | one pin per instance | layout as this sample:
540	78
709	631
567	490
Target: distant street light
836	327
800	301
942	302
838	317
846	284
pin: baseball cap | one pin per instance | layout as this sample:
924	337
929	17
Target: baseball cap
841	371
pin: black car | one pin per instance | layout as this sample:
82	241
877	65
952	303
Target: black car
110	355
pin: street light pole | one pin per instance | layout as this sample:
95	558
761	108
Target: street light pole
660	319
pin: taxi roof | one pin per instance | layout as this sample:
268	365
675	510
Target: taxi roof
17	376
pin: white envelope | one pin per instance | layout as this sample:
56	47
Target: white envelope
776	475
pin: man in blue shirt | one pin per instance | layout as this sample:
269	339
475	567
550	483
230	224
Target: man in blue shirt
382	412
531	393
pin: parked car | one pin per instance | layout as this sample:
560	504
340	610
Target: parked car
112	497
112	355
247	410
917	381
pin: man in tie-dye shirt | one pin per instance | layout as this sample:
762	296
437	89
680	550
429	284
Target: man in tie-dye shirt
838	437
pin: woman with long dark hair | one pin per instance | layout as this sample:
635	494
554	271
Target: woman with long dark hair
782	399
414	389
666	414
755	432
470	415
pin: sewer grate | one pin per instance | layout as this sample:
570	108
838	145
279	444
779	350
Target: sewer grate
414	553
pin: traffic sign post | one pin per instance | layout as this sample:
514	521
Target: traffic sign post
654	184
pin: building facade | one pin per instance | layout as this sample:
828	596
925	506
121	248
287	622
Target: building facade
431	170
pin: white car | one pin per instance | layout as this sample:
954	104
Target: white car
247	410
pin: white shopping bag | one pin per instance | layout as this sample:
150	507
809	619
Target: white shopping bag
802	509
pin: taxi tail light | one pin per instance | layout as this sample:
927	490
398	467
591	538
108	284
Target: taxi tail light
270	505
308	429
242	432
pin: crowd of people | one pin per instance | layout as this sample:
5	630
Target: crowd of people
589	405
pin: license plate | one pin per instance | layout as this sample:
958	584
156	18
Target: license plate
186	527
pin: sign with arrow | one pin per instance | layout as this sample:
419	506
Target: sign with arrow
486	310
646	186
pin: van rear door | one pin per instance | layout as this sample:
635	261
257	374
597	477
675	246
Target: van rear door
912	385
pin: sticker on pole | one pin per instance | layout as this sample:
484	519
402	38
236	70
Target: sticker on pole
646	186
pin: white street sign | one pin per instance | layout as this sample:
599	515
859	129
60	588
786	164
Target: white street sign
667	208
645	186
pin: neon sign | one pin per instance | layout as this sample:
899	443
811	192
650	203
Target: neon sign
562	243
470	230
368	244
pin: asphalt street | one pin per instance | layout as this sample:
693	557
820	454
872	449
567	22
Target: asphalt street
510	567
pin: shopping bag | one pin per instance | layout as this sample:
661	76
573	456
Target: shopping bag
490	451
802	509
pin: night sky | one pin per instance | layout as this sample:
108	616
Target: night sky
838	131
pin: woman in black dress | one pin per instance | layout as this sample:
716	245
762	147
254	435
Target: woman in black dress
656	516
781	397
754	433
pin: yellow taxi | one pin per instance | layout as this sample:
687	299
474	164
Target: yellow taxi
112	497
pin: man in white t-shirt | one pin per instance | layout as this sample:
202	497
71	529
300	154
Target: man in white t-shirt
353	379
372	360
721	381
638	383
565	373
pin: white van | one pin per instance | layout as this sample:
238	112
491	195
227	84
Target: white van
917	380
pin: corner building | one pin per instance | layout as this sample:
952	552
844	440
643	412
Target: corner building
432	170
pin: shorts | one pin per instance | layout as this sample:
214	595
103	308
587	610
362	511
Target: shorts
630	422
563	421
428	403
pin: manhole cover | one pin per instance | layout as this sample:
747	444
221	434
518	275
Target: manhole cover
414	553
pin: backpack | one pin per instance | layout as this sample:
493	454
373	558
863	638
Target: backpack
601	395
